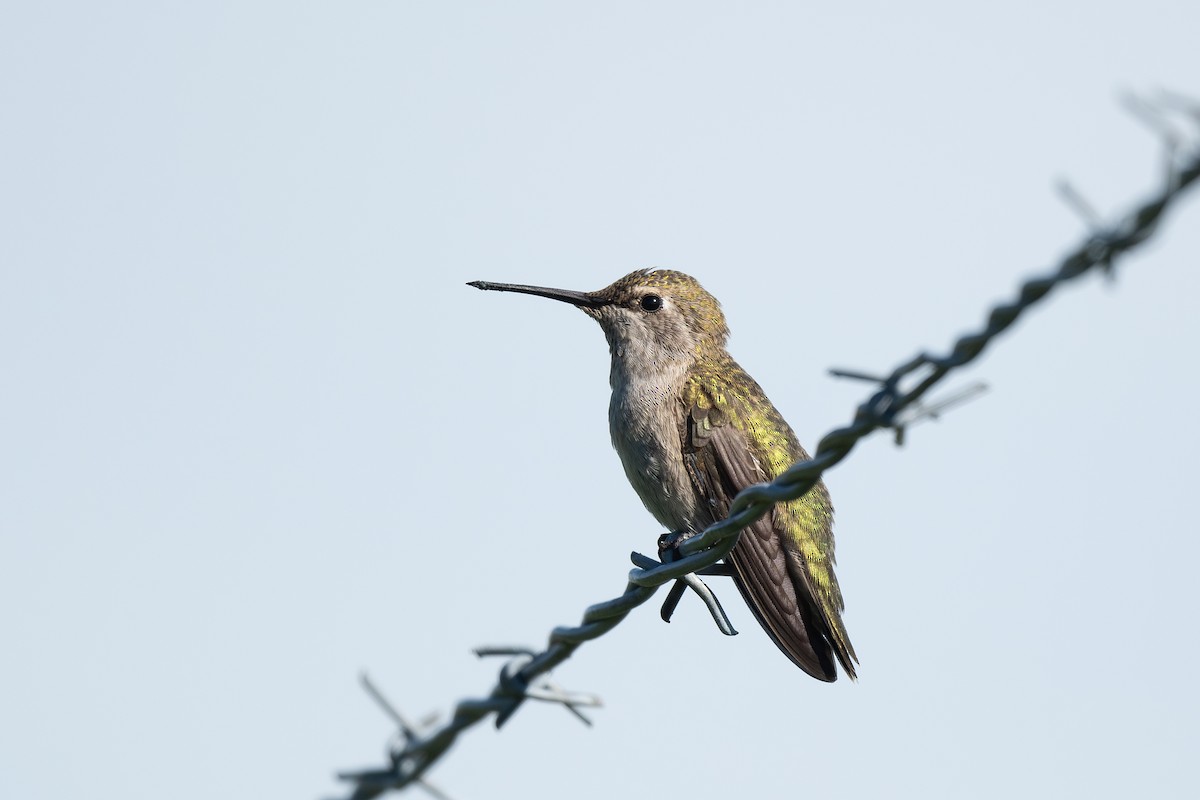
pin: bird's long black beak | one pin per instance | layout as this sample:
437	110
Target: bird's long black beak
579	299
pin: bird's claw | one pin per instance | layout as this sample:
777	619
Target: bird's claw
668	544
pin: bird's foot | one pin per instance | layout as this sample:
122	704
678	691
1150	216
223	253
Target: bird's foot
668	544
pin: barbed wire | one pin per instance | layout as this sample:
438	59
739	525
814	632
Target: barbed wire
522	677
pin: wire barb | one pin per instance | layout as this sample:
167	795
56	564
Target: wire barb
515	682
406	728
883	402
690	581
700	552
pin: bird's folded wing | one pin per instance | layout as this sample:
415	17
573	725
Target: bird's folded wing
721	464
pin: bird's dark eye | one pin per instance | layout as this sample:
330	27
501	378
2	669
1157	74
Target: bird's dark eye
651	302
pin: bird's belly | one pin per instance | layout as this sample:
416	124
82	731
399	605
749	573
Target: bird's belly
652	454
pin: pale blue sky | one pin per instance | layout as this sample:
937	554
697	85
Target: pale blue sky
256	434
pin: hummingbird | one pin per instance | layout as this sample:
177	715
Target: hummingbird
692	429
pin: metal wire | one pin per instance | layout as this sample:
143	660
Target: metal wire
521	678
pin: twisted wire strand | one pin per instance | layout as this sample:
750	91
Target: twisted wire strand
516	684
